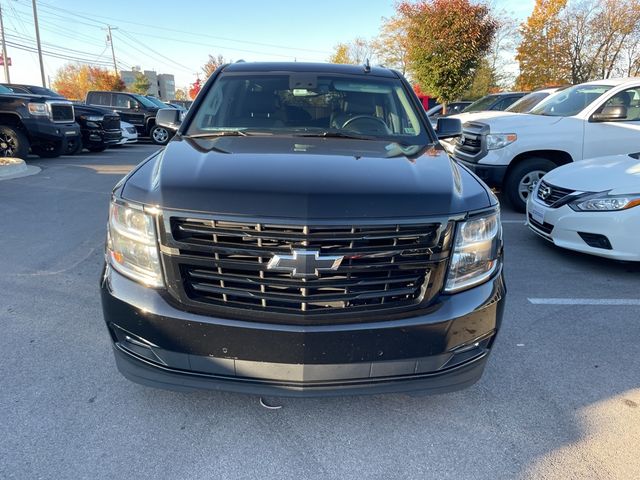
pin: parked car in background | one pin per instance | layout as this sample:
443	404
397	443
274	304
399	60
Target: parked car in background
591	206
132	108
128	133
42	124
530	100
513	151
453	108
494	102
100	127
186	104
303	234
162	134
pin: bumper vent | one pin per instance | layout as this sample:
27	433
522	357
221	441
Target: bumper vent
223	264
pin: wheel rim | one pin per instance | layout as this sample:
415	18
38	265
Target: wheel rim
528	183
160	135
8	146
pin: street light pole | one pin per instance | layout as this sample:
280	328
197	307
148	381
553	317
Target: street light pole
35	20
5	61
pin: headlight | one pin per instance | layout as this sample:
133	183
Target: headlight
606	203
132	245
94	118
39	109
476	252
500	140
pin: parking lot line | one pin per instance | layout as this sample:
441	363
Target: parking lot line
584	301
521	222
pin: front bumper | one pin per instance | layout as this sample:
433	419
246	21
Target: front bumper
441	350
45	131
96	137
492	175
561	226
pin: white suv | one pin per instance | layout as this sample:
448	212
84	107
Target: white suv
513	151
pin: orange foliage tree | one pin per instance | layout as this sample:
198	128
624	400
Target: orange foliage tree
194	89
74	81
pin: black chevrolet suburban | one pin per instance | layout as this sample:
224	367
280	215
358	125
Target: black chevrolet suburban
38	123
303	233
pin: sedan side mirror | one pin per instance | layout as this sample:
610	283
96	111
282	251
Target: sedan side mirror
448	127
610	113
169	118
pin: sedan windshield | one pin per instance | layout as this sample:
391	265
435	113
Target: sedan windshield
484	103
571	101
157	102
309	104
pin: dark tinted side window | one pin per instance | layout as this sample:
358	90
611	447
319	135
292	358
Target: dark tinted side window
504	103
121	101
100	98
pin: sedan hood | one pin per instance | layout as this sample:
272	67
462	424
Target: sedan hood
307	178
620	173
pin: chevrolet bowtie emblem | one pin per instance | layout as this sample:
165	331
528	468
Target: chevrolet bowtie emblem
304	263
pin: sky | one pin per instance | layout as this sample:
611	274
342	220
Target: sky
177	37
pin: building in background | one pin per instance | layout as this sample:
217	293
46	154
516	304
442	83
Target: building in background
162	85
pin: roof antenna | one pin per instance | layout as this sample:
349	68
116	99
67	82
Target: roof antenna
367	67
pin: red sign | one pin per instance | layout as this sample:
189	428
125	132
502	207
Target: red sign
2	61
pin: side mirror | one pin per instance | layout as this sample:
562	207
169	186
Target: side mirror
448	127
610	113
169	118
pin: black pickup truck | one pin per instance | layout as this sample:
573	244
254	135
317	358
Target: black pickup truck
303	233
100	127
44	125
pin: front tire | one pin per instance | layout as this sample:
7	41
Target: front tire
160	135
13	143
522	179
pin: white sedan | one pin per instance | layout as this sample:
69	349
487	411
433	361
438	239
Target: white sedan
129	133
592	206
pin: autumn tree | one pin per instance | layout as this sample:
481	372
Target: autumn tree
212	64
73	81
543	54
194	89
447	41
391	47
181	94
356	52
141	84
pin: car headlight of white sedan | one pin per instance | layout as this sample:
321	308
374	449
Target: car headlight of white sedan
603	202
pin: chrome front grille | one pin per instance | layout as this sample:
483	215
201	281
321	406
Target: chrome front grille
550	194
215	263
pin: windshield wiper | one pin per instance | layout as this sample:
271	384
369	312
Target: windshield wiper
226	133
328	134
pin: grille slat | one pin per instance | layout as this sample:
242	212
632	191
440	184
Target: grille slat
556	193
219	263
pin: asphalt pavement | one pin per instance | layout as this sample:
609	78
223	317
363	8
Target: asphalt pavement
560	398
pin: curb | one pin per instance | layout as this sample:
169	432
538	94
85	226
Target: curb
16	168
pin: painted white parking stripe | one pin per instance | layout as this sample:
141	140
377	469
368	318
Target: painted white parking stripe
521	222
584	301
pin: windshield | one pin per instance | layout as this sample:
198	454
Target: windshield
144	101
310	104
483	104
4	89
571	101
527	102
157	102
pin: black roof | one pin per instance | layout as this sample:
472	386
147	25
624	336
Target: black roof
308	67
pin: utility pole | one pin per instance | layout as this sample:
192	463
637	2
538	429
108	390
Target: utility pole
35	20
113	52
4	51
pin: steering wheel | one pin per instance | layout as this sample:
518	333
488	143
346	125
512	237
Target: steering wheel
379	126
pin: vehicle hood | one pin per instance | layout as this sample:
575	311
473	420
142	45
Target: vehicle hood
82	109
508	122
305	178
620	173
